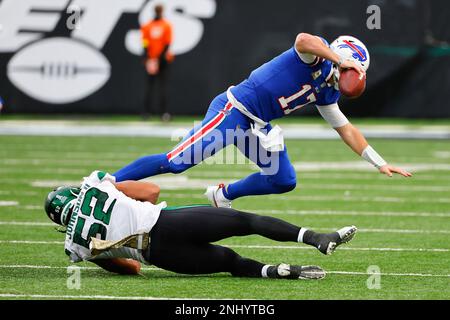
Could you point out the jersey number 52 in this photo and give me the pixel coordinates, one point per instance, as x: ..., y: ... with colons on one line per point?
x: 100, y: 214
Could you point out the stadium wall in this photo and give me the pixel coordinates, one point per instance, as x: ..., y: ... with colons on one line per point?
x: 50, y: 67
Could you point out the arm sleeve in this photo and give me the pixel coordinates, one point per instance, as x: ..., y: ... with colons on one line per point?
x: 333, y: 115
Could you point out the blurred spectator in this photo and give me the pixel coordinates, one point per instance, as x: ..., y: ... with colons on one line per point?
x: 156, y: 39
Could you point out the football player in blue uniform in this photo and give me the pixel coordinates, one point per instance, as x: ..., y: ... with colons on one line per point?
x: 307, y: 73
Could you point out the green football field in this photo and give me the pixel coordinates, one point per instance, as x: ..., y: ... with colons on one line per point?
x: 401, y: 251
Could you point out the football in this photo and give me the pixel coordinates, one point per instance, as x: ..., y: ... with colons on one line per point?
x: 351, y: 84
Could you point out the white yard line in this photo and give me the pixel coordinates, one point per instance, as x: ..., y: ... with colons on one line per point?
x: 410, y: 231
x: 105, y: 297
x: 185, y: 182
x: 343, y: 198
x: 352, y: 213
x: 377, y: 187
x: 369, y: 230
x: 315, y: 175
x: 56, y: 128
x: 317, y: 212
x: 342, y: 248
x: 156, y: 269
x: 8, y: 203
x: 390, y: 274
x: 32, y: 207
x: 28, y: 223
x: 30, y: 242
x: 365, y: 166
x: 257, y: 246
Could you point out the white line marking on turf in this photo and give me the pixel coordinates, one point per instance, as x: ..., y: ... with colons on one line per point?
x: 378, y: 187
x: 369, y: 230
x: 28, y: 223
x: 8, y: 203
x: 315, y: 175
x: 259, y: 246
x: 30, y: 242
x: 326, y: 198
x: 389, y: 274
x: 342, y: 248
x: 378, y: 230
x: 361, y: 165
x: 156, y: 269
x: 353, y: 213
x: 30, y: 207
x: 184, y: 182
x: 48, y: 296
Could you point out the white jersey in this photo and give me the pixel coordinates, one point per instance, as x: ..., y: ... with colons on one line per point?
x: 103, y: 212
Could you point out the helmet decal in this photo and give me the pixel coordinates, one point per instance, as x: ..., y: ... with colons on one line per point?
x: 348, y: 47
x: 358, y: 51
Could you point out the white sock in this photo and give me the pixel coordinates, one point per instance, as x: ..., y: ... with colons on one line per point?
x: 300, y: 234
x: 264, y: 270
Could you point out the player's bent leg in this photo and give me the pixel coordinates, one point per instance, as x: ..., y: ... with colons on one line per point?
x: 189, y: 258
x: 260, y: 183
x: 206, y: 139
x: 144, y: 167
x: 209, y: 224
x: 201, y: 142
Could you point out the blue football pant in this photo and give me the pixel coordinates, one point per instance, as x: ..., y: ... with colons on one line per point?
x: 222, y: 126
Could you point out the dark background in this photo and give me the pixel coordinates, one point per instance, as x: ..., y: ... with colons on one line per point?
x: 409, y: 74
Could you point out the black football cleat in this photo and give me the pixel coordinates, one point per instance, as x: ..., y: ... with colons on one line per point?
x: 330, y: 241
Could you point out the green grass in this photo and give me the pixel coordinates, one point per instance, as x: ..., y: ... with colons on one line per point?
x: 24, y: 160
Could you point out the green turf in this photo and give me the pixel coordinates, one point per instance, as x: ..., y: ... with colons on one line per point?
x: 415, y: 210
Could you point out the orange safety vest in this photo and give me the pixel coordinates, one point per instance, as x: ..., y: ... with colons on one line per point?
x: 156, y: 35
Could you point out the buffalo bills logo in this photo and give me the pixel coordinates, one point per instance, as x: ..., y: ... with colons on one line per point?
x: 358, y: 52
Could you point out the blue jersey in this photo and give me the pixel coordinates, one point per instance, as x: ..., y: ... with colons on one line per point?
x: 285, y: 84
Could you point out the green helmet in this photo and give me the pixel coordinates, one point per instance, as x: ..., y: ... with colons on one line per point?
x: 59, y: 203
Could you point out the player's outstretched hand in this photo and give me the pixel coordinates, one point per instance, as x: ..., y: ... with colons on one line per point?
x: 390, y: 170
x: 349, y: 64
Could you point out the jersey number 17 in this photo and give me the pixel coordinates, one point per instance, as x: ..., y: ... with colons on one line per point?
x: 297, y: 100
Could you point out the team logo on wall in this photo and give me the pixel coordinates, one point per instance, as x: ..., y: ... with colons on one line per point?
x: 62, y: 70
x: 59, y: 70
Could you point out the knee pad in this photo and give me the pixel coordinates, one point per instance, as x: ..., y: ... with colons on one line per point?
x: 285, y: 180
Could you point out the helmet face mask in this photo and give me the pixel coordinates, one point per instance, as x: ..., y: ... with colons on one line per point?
x: 59, y: 204
x: 350, y: 48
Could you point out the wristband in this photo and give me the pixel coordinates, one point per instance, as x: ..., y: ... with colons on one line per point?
x: 371, y: 156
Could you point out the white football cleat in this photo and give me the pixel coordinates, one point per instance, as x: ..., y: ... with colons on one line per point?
x: 215, y: 195
x: 287, y: 271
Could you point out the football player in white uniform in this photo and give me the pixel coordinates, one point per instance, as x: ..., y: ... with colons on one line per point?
x: 119, y: 225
